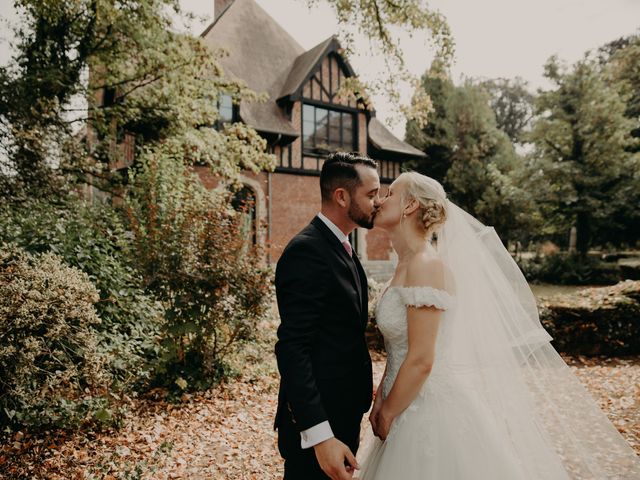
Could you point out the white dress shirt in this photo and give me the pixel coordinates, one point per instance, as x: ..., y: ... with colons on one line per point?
x: 332, y: 226
x: 322, y: 431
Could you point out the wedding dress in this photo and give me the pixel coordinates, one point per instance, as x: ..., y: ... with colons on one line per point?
x: 499, y: 403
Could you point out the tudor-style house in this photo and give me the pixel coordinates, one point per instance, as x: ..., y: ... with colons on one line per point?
x: 303, y: 121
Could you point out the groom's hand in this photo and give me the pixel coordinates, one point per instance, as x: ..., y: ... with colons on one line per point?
x: 331, y: 455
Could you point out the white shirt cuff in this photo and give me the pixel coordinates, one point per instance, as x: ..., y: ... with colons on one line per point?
x: 316, y: 434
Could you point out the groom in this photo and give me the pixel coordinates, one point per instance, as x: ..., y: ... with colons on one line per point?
x: 324, y: 364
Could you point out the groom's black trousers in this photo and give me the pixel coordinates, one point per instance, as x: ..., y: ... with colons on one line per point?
x: 302, y: 464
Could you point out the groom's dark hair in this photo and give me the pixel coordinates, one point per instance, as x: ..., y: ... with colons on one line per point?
x: 339, y: 171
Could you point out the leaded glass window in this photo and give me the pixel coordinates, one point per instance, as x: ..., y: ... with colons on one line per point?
x: 326, y: 130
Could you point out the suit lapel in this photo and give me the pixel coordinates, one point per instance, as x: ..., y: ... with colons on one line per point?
x: 356, y: 275
x: 364, y: 289
x: 344, y: 256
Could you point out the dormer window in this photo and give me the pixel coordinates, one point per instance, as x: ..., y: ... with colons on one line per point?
x: 326, y: 130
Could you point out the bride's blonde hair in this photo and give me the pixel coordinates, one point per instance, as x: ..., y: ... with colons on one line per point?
x: 431, y: 199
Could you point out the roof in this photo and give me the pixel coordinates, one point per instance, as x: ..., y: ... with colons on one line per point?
x: 269, y: 60
x: 261, y: 53
x: 307, y: 63
x: 382, y: 139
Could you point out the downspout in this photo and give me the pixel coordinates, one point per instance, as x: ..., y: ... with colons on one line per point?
x: 269, y: 191
x: 269, y: 217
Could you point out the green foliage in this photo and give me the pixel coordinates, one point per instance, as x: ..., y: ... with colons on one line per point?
x: 582, y: 139
x: 512, y: 104
x: 508, y: 203
x: 436, y: 138
x: 381, y: 21
x: 475, y: 161
x: 51, y: 368
x: 139, y: 77
x: 91, y: 238
x: 570, y: 269
x: 191, y: 251
x: 621, y: 59
x: 623, y: 73
x: 476, y: 145
x: 375, y: 340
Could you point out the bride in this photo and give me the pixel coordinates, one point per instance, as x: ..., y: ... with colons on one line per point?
x: 472, y: 389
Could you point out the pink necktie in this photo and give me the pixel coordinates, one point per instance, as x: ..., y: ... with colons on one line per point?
x: 347, y: 247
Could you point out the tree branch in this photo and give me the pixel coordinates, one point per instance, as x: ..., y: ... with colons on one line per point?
x: 554, y: 147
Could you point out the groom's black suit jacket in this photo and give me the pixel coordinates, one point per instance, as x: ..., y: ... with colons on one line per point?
x: 322, y: 354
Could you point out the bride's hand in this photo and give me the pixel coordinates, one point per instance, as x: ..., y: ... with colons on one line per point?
x: 384, y: 421
x: 375, y: 410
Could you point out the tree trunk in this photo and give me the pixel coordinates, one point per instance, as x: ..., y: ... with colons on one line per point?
x: 572, y: 239
x: 583, y: 227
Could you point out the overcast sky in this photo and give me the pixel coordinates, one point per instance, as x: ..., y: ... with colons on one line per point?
x: 494, y: 38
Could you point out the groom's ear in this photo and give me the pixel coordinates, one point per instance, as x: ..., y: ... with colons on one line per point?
x: 341, y: 196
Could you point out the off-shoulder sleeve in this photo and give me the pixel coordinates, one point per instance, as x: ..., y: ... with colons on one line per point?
x: 426, y: 297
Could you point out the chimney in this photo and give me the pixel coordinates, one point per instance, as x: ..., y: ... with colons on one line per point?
x: 219, y: 7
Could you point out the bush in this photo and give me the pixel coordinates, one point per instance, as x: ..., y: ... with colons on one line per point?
x: 374, y: 337
x: 50, y: 363
x: 194, y: 256
x: 92, y: 238
x: 570, y: 269
x: 595, y: 321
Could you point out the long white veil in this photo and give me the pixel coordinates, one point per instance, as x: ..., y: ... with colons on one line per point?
x: 495, y: 332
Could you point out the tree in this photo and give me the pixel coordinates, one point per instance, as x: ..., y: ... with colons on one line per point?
x: 139, y: 76
x: 475, y: 161
x: 485, y: 168
x: 581, y: 136
x: 512, y: 104
x: 622, y: 71
x: 435, y: 138
x: 381, y: 21
x: 622, y: 67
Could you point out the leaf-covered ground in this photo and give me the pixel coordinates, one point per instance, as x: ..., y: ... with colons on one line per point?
x: 227, y: 433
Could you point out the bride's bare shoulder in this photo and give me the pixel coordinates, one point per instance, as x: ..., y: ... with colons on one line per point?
x: 425, y: 270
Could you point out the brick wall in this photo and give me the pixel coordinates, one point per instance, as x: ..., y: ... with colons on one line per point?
x: 378, y: 245
x: 295, y: 200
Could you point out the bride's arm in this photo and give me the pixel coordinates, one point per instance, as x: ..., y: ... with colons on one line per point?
x: 422, y: 330
x: 378, y: 394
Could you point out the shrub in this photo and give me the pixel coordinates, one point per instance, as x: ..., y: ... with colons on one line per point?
x: 374, y: 337
x: 92, y: 238
x: 49, y: 358
x: 595, y: 321
x: 190, y: 247
x: 570, y: 269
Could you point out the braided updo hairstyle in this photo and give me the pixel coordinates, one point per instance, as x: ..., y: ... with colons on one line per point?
x: 431, y: 197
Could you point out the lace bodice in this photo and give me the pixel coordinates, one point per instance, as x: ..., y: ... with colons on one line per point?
x: 391, y: 317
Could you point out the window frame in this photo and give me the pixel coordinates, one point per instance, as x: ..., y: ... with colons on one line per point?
x: 329, y: 107
x: 220, y: 122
